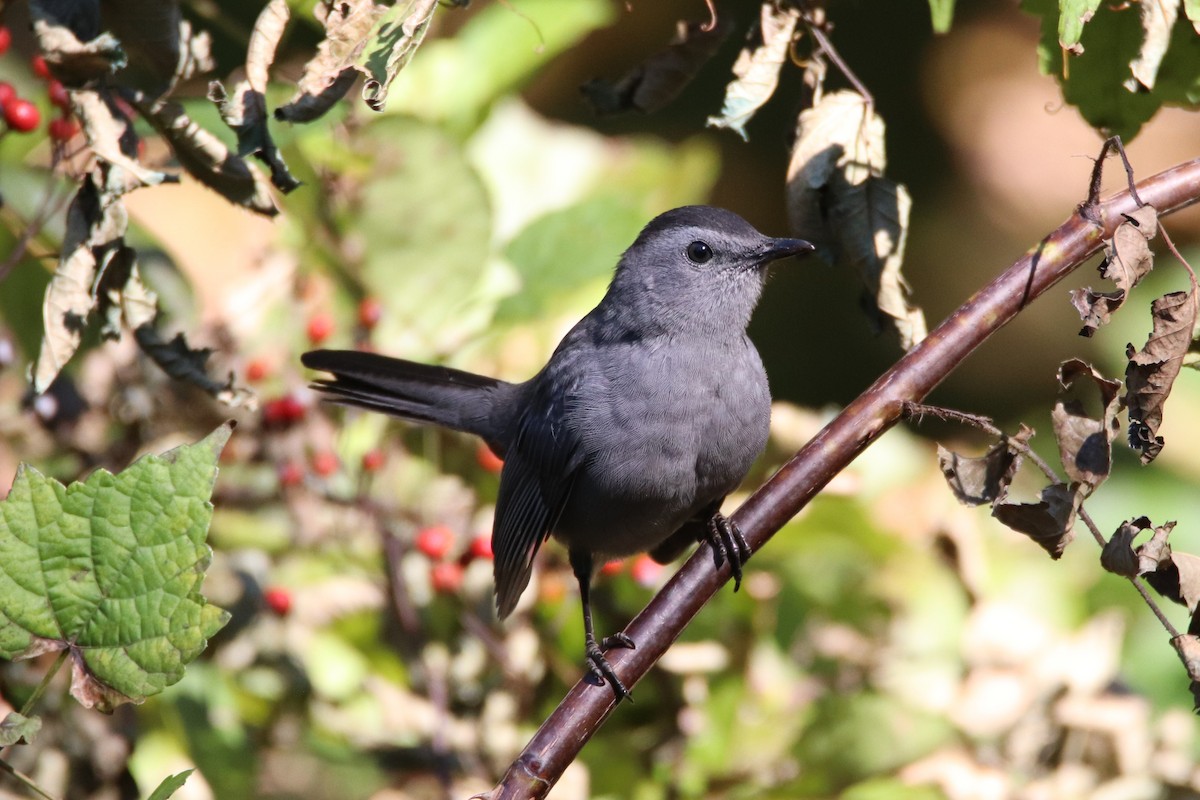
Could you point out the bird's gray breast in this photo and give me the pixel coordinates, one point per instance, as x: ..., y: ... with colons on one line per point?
x: 666, y: 428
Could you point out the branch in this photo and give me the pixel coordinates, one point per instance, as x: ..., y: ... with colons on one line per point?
x: 584, y: 709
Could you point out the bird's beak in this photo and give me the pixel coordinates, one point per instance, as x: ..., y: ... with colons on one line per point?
x: 775, y: 249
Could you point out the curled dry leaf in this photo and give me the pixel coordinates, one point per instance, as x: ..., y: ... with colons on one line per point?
x: 1117, y: 556
x: 839, y: 199
x: 1188, y: 648
x: 1049, y: 522
x: 756, y: 71
x: 1156, y: 553
x: 331, y: 72
x: 394, y: 38
x: 659, y: 79
x: 1157, y: 21
x: 184, y: 363
x: 1085, y: 440
x: 1127, y: 259
x: 72, y: 44
x: 986, y: 479
x: 1151, y: 371
x: 208, y: 160
x: 1177, y: 579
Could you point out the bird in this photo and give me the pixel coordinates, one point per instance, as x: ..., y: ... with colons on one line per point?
x: 650, y: 411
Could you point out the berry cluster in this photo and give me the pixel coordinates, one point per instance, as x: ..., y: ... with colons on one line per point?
x: 436, y: 543
x: 22, y: 115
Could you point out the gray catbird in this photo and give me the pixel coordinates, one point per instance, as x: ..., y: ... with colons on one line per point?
x: 651, y: 410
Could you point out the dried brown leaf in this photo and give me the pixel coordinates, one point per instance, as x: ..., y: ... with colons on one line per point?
x: 1127, y: 259
x: 1158, y: 18
x: 1156, y: 553
x: 1151, y: 371
x: 1049, y: 522
x: 839, y: 199
x: 391, y: 44
x: 1085, y: 439
x: 756, y: 71
x: 75, y: 50
x: 659, y: 79
x: 208, y: 160
x: 985, y: 479
x: 331, y: 72
x: 1117, y: 556
x: 1178, y: 579
x: 184, y: 363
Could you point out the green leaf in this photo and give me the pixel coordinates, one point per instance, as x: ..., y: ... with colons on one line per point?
x: 17, y: 728
x: 1191, y: 8
x: 942, y: 12
x: 110, y: 570
x: 170, y: 785
x: 391, y: 44
x: 1073, y: 16
x: 1094, y: 80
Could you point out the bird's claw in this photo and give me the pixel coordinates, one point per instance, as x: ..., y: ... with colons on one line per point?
x: 601, y: 670
x: 728, y: 544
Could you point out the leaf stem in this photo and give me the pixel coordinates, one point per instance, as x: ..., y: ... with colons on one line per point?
x: 25, y: 779
x: 27, y: 709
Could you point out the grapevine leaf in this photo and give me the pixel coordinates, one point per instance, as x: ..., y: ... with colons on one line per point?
x: 1085, y: 440
x: 1049, y: 522
x: 1151, y: 371
x: 985, y: 479
x: 17, y: 728
x: 110, y: 569
x: 394, y: 38
x: 756, y: 71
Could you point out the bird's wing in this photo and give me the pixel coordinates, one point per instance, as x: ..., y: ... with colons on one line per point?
x: 539, y: 470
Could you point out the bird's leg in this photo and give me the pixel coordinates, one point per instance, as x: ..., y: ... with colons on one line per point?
x: 598, y: 665
x: 727, y: 543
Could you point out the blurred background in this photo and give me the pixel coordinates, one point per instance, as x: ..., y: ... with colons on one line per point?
x: 896, y: 644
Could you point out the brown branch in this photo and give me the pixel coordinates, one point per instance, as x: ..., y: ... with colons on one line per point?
x: 584, y: 709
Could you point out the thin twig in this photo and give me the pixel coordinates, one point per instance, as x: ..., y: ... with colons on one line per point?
x: 25, y: 779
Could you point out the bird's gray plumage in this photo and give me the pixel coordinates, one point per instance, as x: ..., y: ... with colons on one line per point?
x: 651, y: 410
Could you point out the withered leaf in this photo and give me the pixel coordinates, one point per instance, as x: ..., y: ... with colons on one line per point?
x: 1178, y: 579
x: 1156, y: 553
x: 756, y: 71
x: 1095, y: 308
x: 394, y: 38
x: 331, y: 72
x: 985, y: 479
x: 1157, y: 21
x: 1188, y: 648
x: 659, y: 79
x: 1127, y: 259
x: 839, y: 200
x: 1049, y: 522
x: 208, y: 160
x: 74, y: 49
x: 1085, y: 440
x: 182, y: 362
x: 1117, y: 556
x: 1151, y: 371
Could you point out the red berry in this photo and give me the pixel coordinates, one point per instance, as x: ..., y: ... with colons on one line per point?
x: 63, y: 129
x: 22, y: 116
x: 291, y: 474
x: 325, y: 463
x: 278, y: 600
x: 320, y: 326
x: 257, y: 369
x: 58, y: 95
x: 5, y: 39
x: 446, y: 577
x: 481, y: 547
x: 369, y: 312
x: 435, y: 541
x: 487, y: 459
x: 293, y: 408
x: 40, y: 67
x: 372, y: 460
x: 646, y: 570
x: 613, y: 567
x: 7, y: 94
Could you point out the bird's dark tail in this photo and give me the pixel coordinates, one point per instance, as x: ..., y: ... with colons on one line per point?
x: 443, y: 396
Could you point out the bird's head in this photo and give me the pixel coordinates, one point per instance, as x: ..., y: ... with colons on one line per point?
x: 695, y: 266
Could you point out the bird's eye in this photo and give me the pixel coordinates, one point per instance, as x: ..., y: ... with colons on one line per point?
x: 699, y: 252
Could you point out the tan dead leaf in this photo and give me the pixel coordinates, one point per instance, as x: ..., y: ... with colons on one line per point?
x: 1155, y: 553
x: 1117, y: 556
x: 72, y: 44
x: 1188, y: 648
x: 1158, y: 18
x: 756, y: 71
x: 1151, y: 371
x: 1049, y: 522
x: 1085, y: 439
x: 1178, y: 579
x: 331, y: 72
x: 985, y: 479
x: 1127, y: 259
x: 659, y: 79
x: 839, y: 200
x: 208, y: 160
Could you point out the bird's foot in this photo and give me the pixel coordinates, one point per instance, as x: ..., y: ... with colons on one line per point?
x: 728, y: 544
x: 599, y: 667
